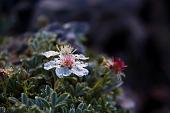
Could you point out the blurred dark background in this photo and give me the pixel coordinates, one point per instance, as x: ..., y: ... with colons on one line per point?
x: 138, y: 31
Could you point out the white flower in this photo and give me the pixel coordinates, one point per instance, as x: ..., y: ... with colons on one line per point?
x: 67, y: 63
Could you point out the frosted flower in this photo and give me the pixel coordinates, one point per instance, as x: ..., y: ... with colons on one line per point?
x: 116, y: 65
x: 5, y: 72
x: 68, y: 63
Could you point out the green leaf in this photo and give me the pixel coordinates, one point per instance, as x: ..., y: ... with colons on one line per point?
x: 24, y: 99
x: 81, y: 106
x: 2, y: 109
x: 39, y: 103
x: 31, y: 102
x: 64, y: 109
x: 53, y: 98
x: 59, y: 105
x: 62, y: 98
x: 48, y: 90
x: 78, y: 110
x: 72, y: 110
x: 12, y: 100
x: 43, y: 101
x: 35, y: 109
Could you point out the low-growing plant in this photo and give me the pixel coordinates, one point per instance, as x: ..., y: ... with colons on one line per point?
x: 57, y: 74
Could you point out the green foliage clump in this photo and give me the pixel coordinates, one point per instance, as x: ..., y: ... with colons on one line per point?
x: 29, y: 88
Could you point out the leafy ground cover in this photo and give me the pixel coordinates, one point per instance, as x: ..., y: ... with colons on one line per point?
x: 56, y: 73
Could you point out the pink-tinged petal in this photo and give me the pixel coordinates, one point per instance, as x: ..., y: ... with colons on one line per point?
x: 118, y: 65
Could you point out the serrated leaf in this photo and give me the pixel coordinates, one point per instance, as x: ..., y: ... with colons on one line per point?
x: 72, y: 110
x: 59, y: 105
x: 13, y: 100
x: 38, y: 102
x: 78, y: 110
x: 31, y: 102
x: 54, y: 98
x: 24, y: 99
x: 35, y: 109
x: 43, y: 101
x: 81, y: 106
x: 64, y: 109
x: 48, y: 90
x: 2, y: 109
x: 62, y: 98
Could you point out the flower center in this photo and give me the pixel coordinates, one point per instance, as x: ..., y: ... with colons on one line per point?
x: 68, y: 61
x: 119, y: 65
x: 66, y: 49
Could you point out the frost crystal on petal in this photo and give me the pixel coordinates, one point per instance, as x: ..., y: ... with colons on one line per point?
x: 49, y: 53
x: 50, y: 65
x: 79, y: 71
x: 81, y: 57
x: 81, y: 64
x: 61, y: 71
